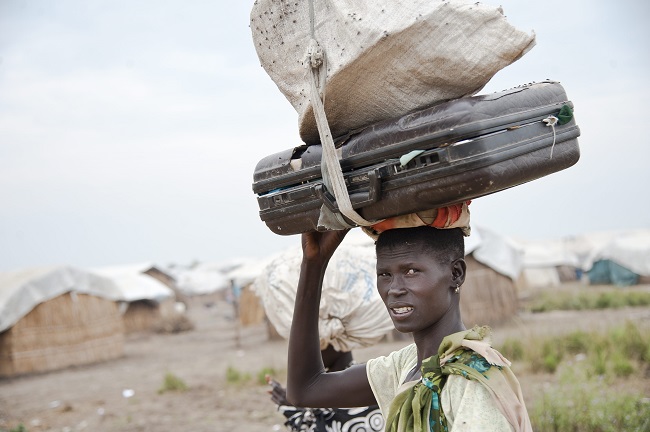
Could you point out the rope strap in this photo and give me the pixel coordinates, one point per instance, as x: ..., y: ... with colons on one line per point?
x: 330, y: 165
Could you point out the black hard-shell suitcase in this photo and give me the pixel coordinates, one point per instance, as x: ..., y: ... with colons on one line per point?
x: 473, y: 146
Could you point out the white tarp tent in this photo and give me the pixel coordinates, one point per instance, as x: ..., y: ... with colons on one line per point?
x: 23, y: 290
x: 549, y: 253
x: 246, y: 273
x: 630, y: 249
x: 545, y: 263
x: 133, y: 285
x: 201, y: 279
x: 495, y: 251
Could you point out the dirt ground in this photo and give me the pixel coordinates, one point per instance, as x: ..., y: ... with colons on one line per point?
x: 92, y: 398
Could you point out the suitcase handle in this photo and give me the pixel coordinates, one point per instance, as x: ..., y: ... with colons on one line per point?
x: 358, y: 199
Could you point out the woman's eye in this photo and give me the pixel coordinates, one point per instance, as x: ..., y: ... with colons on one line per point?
x: 411, y: 271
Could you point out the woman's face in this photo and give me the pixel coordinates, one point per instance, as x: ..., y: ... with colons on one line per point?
x: 415, y: 285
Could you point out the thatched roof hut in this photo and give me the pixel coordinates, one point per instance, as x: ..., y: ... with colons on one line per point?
x: 55, y: 317
x: 145, y: 302
x: 489, y: 294
x: 488, y: 297
x: 164, y: 276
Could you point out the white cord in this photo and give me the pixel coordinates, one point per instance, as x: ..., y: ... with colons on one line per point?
x: 551, y: 121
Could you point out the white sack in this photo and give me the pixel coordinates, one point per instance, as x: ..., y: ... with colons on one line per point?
x: 351, y: 314
x: 384, y: 59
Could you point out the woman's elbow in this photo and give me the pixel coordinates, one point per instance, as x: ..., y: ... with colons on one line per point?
x: 296, y: 398
x: 303, y: 396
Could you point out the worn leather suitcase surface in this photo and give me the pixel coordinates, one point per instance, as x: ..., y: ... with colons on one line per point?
x: 470, y: 147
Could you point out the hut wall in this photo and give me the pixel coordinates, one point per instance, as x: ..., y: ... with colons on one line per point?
x: 567, y: 273
x: 533, y: 279
x: 69, y: 330
x: 151, y: 316
x: 141, y: 315
x: 251, y: 310
x: 487, y: 297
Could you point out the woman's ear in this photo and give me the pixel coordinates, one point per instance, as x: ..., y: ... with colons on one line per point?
x: 458, y: 270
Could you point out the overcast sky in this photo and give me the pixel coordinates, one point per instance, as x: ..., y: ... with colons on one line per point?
x: 129, y: 130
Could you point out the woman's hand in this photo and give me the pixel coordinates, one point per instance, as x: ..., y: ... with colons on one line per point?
x: 277, y: 392
x: 320, y: 246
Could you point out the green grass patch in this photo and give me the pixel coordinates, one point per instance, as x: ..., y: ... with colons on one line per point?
x: 261, y: 375
x: 172, y: 383
x: 581, y: 405
x: 235, y: 376
x: 19, y: 428
x: 586, y: 300
x: 513, y: 349
x: 620, y: 352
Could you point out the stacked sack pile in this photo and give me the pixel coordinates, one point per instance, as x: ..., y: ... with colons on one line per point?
x: 344, y: 65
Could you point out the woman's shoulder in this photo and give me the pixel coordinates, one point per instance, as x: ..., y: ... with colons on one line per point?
x: 407, y: 352
x: 395, y: 361
x: 404, y: 356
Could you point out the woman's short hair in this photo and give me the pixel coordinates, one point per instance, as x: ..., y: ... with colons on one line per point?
x: 444, y: 243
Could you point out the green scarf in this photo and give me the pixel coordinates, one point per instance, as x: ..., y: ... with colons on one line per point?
x: 418, y: 408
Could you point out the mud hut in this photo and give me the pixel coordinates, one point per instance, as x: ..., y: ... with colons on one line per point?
x: 165, y: 277
x: 489, y: 294
x: 249, y: 308
x: 145, y: 302
x: 56, y: 317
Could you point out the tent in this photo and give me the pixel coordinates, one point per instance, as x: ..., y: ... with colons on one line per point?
x: 200, y: 280
x: 489, y: 294
x: 623, y: 260
x: 248, y: 305
x: 144, y: 300
x: 55, y: 317
x: 163, y: 275
x: 551, y: 262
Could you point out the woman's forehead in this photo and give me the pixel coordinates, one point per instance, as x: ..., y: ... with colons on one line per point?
x: 403, y: 252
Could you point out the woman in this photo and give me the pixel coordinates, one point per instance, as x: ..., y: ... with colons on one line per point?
x: 449, y: 379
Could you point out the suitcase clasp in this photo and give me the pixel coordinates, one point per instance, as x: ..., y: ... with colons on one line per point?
x: 358, y: 199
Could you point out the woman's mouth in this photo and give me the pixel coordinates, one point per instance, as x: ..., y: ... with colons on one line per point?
x: 401, y: 312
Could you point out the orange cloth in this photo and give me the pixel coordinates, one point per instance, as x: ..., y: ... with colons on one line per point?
x: 451, y: 216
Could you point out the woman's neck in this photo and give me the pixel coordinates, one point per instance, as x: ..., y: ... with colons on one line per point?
x: 428, y: 340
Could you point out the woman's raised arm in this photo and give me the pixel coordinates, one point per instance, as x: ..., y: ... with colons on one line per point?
x: 308, y: 385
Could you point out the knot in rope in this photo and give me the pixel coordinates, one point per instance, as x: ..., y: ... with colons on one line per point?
x: 314, y: 57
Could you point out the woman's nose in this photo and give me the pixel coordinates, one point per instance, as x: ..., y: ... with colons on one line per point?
x: 396, y: 287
